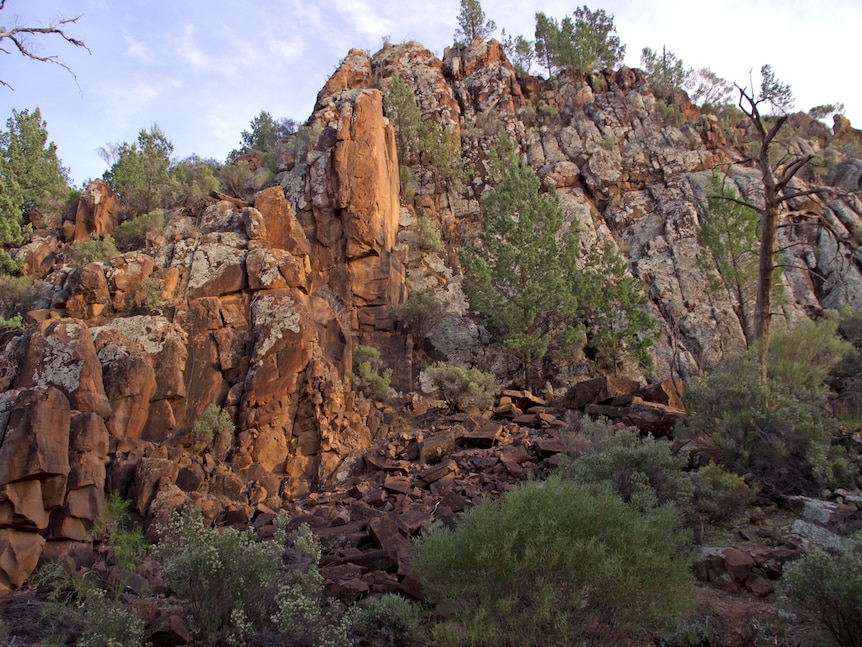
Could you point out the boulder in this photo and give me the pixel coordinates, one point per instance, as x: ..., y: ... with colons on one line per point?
x: 97, y: 211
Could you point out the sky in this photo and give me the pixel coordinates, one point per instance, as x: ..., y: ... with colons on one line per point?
x: 202, y: 69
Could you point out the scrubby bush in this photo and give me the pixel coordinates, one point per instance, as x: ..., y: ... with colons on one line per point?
x: 420, y: 313
x: 148, y: 294
x: 194, y: 178
x: 132, y: 234
x: 214, y: 420
x: 18, y: 294
x: 94, y: 250
x: 718, y: 493
x: 556, y: 563
x: 778, y: 428
x: 220, y: 571
x: 392, y: 621
x: 643, y: 471
x: 234, y: 177
x: 428, y: 235
x: 92, y: 602
x: 830, y: 591
x: 369, y: 376
x: 668, y: 114
x: 463, y: 389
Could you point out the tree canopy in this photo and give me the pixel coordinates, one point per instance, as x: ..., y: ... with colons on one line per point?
x: 31, y: 177
x: 581, y: 44
x: 472, y: 23
x: 139, y: 173
x: 519, y: 276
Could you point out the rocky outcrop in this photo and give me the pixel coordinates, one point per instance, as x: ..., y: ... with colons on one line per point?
x: 96, y: 213
x: 255, y: 307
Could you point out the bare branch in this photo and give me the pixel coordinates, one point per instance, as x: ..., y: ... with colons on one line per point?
x: 20, y: 38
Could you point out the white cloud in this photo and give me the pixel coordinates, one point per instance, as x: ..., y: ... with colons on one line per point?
x: 138, y: 50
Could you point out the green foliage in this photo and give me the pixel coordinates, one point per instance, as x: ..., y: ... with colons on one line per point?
x: 472, y: 23
x: 428, y: 235
x: 643, y: 471
x: 18, y: 294
x: 520, y: 275
x: 218, y: 570
x: 434, y: 145
x: 92, y: 602
x: 112, y: 529
x: 367, y: 375
x: 392, y: 621
x: 558, y: 562
x: 12, y: 323
x: 823, y: 112
x: 139, y: 173
x: 463, y: 389
x: 580, y: 46
x: 728, y: 233
x: 31, y: 177
x: 234, y: 177
x: 214, y: 420
x: 520, y: 51
x: 613, y: 307
x: 148, y: 294
x: 265, y: 133
x: 132, y: 234
x: 94, y: 250
x: 193, y: 179
x: 776, y: 429
x: 420, y: 313
x: 667, y: 74
x: 830, y: 591
x: 669, y: 114
x: 772, y: 91
x: 718, y: 493
x: 711, y: 92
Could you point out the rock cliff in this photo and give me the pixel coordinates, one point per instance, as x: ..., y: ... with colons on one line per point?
x: 260, y: 303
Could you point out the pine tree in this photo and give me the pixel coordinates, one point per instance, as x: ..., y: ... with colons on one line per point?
x: 31, y: 177
x: 521, y: 277
x: 472, y: 23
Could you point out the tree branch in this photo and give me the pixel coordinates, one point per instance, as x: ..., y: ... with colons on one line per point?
x: 20, y: 38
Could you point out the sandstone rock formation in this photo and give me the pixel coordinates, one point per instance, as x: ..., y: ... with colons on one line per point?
x: 256, y: 307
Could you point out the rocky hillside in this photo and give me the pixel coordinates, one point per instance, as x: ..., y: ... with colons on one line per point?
x: 261, y: 301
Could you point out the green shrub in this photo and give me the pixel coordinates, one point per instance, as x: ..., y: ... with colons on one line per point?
x: 220, y: 571
x: 12, y: 323
x: 194, y: 179
x: 830, y: 591
x: 718, y: 493
x: 669, y: 114
x: 132, y: 234
x: 214, y: 420
x: 778, y: 429
x: 420, y: 313
x: 803, y: 357
x: 235, y: 177
x: 559, y: 562
x: 94, y: 250
x: 18, y: 294
x: 607, y: 144
x: 148, y: 294
x: 428, y: 235
x: 367, y: 375
x: 463, y: 389
x: 113, y: 529
x: 391, y: 621
x: 641, y: 470
x: 92, y: 601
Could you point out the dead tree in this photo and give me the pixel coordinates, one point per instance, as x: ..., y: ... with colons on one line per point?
x: 21, y: 38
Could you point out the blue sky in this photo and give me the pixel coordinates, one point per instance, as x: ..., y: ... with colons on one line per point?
x: 202, y: 69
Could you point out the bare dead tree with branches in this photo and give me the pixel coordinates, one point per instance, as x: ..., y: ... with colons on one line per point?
x: 21, y: 38
x: 777, y: 176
